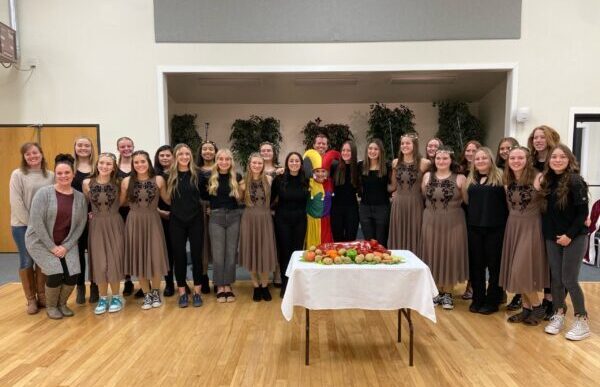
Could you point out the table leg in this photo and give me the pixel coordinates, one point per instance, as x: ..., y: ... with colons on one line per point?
x: 406, y: 313
x: 307, y: 349
x: 399, y: 325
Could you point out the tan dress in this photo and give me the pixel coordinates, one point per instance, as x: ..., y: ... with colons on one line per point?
x: 524, y: 268
x: 406, y: 215
x: 106, y: 237
x: 257, y: 251
x: 145, y: 248
x: 444, y: 232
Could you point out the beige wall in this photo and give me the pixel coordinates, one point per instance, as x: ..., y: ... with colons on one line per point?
x: 492, y: 114
x: 98, y: 63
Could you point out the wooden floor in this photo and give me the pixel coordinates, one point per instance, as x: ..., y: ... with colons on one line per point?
x: 250, y: 344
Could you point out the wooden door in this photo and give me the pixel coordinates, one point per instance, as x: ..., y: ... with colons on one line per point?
x: 54, y: 139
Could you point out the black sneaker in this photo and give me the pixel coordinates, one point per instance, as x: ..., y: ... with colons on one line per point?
x: 80, y: 299
x: 488, y: 309
x: 257, y: 295
x: 204, y: 285
x: 128, y: 288
x: 169, y: 289
x: 266, y: 295
x: 548, y: 309
x: 139, y: 294
x: 475, y: 307
x: 516, y: 303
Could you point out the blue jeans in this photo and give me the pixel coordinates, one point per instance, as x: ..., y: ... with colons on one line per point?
x: 18, y: 233
x: 224, y: 231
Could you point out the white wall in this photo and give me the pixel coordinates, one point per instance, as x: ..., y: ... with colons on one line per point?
x: 294, y: 117
x: 492, y: 114
x: 98, y: 63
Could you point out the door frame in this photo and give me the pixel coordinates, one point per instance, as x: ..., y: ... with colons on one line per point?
x: 40, y: 126
x: 512, y: 69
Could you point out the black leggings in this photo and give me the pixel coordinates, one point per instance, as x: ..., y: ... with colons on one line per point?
x: 290, y: 229
x: 180, y: 232
x: 82, y: 245
x: 485, y: 251
x: 169, y: 276
x: 64, y: 278
x: 344, y: 222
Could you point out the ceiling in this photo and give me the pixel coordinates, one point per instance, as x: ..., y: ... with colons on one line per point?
x: 331, y: 87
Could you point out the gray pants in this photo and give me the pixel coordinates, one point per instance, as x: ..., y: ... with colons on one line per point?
x: 565, y: 263
x: 224, y: 231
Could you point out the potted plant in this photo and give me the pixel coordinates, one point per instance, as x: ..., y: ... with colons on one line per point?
x: 337, y: 133
x: 247, y: 135
x: 457, y: 125
x: 389, y: 125
x: 183, y: 130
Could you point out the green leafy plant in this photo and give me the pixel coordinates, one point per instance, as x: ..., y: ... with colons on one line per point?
x: 247, y: 135
x: 183, y: 130
x: 389, y: 125
x: 457, y: 125
x: 337, y: 133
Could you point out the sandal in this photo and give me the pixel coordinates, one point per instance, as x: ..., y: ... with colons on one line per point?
x: 222, y: 297
x: 230, y: 297
x: 519, y: 317
x: 536, y: 315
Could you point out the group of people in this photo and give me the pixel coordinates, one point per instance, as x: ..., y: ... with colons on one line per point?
x: 521, y: 217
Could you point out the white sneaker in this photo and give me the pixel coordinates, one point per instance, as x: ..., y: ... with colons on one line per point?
x: 447, y: 301
x: 147, y: 301
x: 556, y: 324
x: 116, y: 304
x: 156, y: 301
x: 437, y: 300
x: 579, y: 330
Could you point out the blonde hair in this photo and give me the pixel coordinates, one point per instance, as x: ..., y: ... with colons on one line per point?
x: 213, y: 181
x: 92, y: 153
x: 173, y: 179
x: 494, y: 176
x: 263, y: 179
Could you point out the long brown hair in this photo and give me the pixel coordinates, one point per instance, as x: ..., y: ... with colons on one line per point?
x: 24, y: 166
x: 564, y: 179
x: 339, y: 176
x: 366, y: 167
x: 414, y: 138
x: 464, y: 163
x: 113, y: 174
x: 500, y: 162
x: 133, y: 177
x: 552, y: 139
x: 263, y: 179
x: 173, y: 179
x: 529, y: 172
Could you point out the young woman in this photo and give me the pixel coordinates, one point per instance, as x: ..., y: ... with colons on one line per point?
x: 503, y: 148
x: 541, y: 140
x: 145, y: 247
x: 444, y: 230
x: 344, y: 203
x: 523, y: 267
x: 186, y: 186
x: 269, y: 155
x: 106, y: 233
x: 125, y: 148
x: 486, y: 220
x: 84, y: 167
x: 163, y: 159
x: 374, y: 209
x: 563, y: 224
x: 206, y: 162
x: 432, y: 146
x: 57, y: 218
x: 24, y: 183
x: 225, y: 193
x: 257, y: 240
x: 466, y: 160
x: 289, y: 194
x: 406, y: 215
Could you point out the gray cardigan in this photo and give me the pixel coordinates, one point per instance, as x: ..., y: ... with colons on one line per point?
x: 38, y: 238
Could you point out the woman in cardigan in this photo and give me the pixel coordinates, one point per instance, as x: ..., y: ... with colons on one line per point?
x: 57, y: 219
x: 24, y: 183
x: 563, y: 224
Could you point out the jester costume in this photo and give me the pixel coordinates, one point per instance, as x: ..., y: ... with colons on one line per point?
x: 318, y: 206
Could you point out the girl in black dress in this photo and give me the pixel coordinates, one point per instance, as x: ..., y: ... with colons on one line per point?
x: 344, y: 203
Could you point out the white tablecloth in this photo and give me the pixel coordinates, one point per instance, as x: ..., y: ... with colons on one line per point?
x: 350, y: 286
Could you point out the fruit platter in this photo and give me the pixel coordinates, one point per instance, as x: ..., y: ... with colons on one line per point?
x: 356, y: 252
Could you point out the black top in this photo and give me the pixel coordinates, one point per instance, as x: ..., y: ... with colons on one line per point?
x: 539, y: 165
x: 124, y: 210
x: 288, y: 196
x: 78, y: 179
x: 161, y: 204
x: 487, y: 205
x: 222, y: 198
x: 571, y: 219
x: 374, y: 189
x: 344, y: 194
x: 185, y: 201
x: 121, y: 175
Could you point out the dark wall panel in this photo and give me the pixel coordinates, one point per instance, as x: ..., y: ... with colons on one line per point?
x: 271, y: 21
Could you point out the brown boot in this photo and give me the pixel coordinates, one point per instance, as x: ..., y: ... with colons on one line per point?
x: 40, y: 286
x: 52, y: 310
x: 65, y: 292
x: 28, y: 288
